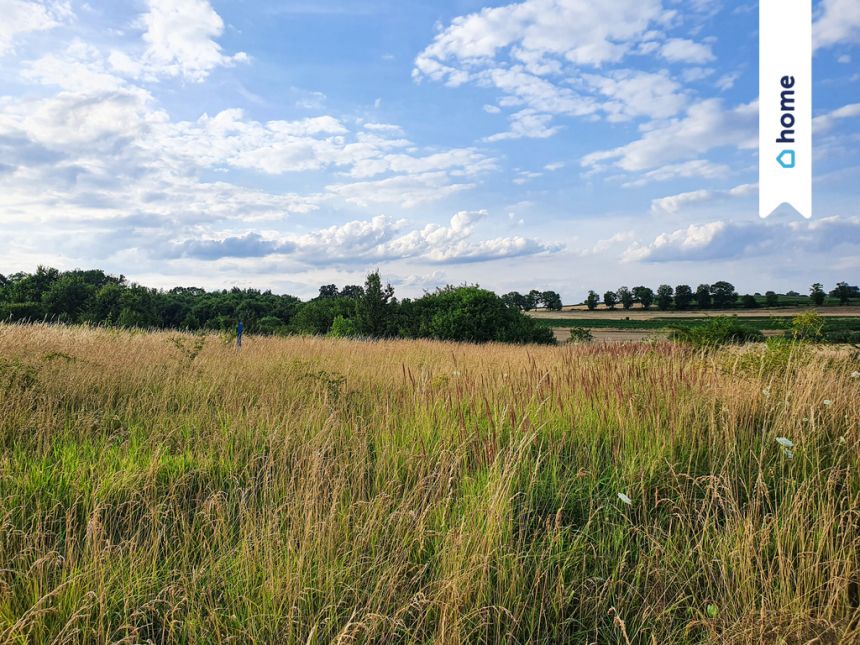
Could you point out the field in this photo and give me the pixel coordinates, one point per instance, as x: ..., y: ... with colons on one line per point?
x: 638, y: 325
x: 159, y: 487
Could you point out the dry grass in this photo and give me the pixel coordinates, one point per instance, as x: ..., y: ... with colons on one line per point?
x: 157, y: 488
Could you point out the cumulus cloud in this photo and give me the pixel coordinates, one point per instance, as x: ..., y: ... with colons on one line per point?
x: 683, y: 50
x: 180, y: 37
x: 551, y: 58
x: 837, y: 22
x: 674, y: 204
x: 707, y: 125
x: 21, y: 17
x: 377, y: 239
x: 721, y: 240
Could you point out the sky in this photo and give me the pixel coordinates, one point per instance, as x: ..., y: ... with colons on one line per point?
x: 542, y: 144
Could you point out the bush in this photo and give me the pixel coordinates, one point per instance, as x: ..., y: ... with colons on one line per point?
x: 343, y: 328
x: 580, y: 335
x: 843, y: 336
x: 469, y: 314
x: 807, y: 326
x: 717, y: 331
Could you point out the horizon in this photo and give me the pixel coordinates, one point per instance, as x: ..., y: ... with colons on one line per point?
x: 255, y: 145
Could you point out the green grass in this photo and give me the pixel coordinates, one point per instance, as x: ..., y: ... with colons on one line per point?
x: 313, y: 490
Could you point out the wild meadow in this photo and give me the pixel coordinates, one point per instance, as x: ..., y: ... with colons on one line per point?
x: 167, y: 488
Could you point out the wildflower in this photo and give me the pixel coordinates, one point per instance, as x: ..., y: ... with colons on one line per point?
x: 625, y: 499
x: 766, y: 391
x: 855, y: 374
x: 788, y: 453
x: 827, y: 402
x: 785, y: 442
x: 456, y: 373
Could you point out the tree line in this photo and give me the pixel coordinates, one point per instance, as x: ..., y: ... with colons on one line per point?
x: 719, y: 295
x: 463, y: 313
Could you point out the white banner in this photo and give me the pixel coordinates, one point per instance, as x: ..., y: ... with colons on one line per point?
x: 785, y: 105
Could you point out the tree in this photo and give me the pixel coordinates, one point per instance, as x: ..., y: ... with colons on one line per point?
x: 683, y: 296
x: 592, y: 300
x: 749, y: 302
x: 723, y: 294
x: 473, y: 315
x: 67, y: 298
x: 352, y: 291
x: 645, y: 296
x: 328, y: 291
x: 625, y: 297
x: 844, y: 292
x: 372, y: 311
x: 703, y: 296
x: 664, y: 297
x: 771, y: 299
x: 610, y: 299
x: 516, y: 300
x: 533, y: 299
x: 816, y: 292
x: 551, y: 300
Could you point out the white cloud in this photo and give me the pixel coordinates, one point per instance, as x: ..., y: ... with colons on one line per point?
x: 632, y: 94
x: 20, y: 17
x: 721, y: 240
x: 180, y: 39
x: 837, y: 22
x: 825, y: 122
x: 674, y: 204
x: 682, y: 50
x: 706, y: 126
x: 380, y: 238
x: 548, y: 58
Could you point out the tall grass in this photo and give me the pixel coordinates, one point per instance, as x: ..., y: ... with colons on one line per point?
x: 163, y: 488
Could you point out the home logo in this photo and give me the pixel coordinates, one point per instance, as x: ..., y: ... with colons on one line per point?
x: 785, y: 106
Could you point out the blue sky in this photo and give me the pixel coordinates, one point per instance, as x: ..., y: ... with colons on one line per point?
x: 558, y: 144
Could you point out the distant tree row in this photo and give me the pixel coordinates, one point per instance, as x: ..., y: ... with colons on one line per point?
x: 720, y: 295
x: 466, y: 313
x: 533, y: 300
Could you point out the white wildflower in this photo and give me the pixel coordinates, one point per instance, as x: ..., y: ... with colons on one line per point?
x: 785, y: 442
x: 625, y: 499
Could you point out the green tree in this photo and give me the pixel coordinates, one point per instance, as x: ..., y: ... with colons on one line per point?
x: 843, y: 291
x: 816, y: 292
x: 342, y: 328
x: 373, y: 310
x: 771, y: 299
x: 610, y: 299
x: 683, y: 296
x: 723, y: 294
x: 516, y: 300
x: 67, y: 298
x: 749, y: 302
x: 551, y: 300
x: 329, y: 291
x: 354, y: 291
x: 592, y: 300
x: 644, y: 295
x: 625, y: 297
x: 703, y: 296
x: 664, y: 297
x: 533, y: 299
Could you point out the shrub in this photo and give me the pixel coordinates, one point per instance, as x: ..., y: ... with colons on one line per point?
x: 343, y: 328
x: 580, y: 335
x: 717, y: 331
x: 807, y: 326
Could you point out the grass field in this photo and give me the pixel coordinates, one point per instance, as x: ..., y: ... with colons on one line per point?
x: 665, y: 322
x: 157, y: 487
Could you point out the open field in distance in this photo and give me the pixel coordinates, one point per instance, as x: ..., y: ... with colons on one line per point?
x: 160, y: 487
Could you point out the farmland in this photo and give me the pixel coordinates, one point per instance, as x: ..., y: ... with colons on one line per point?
x: 165, y: 487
